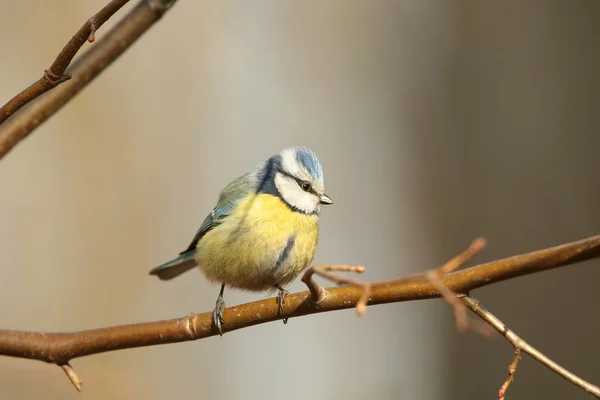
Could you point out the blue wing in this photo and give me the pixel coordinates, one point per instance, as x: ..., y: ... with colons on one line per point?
x: 228, y: 200
x: 213, y: 219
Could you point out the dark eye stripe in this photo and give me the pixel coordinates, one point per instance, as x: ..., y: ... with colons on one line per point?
x: 300, y: 182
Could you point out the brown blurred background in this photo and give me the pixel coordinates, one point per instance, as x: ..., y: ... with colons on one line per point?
x: 435, y: 121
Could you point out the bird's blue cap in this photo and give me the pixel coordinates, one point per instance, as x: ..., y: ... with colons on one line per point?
x: 309, y: 160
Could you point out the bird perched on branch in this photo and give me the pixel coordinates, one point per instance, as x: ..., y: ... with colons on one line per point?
x: 263, y: 231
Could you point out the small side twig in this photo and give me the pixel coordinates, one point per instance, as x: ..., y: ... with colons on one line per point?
x: 72, y: 375
x: 512, y: 369
x: 318, y: 293
x: 93, y: 29
x: 55, y: 75
x: 522, y: 346
x: 463, y: 322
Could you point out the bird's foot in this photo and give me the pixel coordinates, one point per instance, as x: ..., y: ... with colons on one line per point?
x: 281, y: 300
x: 217, y: 316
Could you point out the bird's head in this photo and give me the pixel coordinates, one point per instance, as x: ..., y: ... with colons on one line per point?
x: 295, y: 174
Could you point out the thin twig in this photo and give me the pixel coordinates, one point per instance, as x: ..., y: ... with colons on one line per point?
x: 83, y: 71
x: 463, y: 322
x: 460, y: 310
x: 326, y: 272
x: 72, y: 375
x: 525, y: 347
x: 512, y: 369
x: 317, y: 292
x: 55, y: 75
x: 458, y: 261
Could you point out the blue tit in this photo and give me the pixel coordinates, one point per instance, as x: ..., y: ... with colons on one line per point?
x: 263, y: 232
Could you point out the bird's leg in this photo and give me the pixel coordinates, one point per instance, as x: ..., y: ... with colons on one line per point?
x: 281, y: 299
x: 218, y: 311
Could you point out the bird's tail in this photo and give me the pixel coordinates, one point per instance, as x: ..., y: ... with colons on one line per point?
x: 175, y: 267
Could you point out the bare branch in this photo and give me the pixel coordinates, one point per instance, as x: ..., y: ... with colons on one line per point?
x: 55, y: 75
x: 60, y: 348
x: 81, y: 72
x: 460, y: 302
x: 525, y: 347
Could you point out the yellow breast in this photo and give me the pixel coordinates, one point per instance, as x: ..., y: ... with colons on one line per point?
x: 260, y: 244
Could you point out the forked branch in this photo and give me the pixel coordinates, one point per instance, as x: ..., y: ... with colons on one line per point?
x: 521, y: 345
x: 80, y: 73
x: 55, y: 75
x: 460, y: 302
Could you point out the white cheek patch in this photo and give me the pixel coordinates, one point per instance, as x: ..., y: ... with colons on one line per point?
x: 294, y: 195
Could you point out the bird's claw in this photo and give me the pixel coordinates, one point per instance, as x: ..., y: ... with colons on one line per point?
x: 217, y: 316
x: 281, y: 300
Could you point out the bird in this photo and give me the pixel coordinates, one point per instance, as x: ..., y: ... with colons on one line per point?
x: 263, y: 231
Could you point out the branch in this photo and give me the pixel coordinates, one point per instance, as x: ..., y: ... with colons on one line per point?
x: 55, y: 75
x: 460, y: 303
x: 60, y: 348
x: 521, y: 345
x: 81, y: 73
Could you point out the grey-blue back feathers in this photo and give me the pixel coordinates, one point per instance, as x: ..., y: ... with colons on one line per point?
x: 228, y: 199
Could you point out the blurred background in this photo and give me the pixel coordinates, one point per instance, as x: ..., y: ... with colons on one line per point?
x: 435, y: 122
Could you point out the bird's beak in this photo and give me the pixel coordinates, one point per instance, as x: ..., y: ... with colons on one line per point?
x: 324, y: 199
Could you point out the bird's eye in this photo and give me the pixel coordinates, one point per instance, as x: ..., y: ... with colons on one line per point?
x: 305, y: 186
